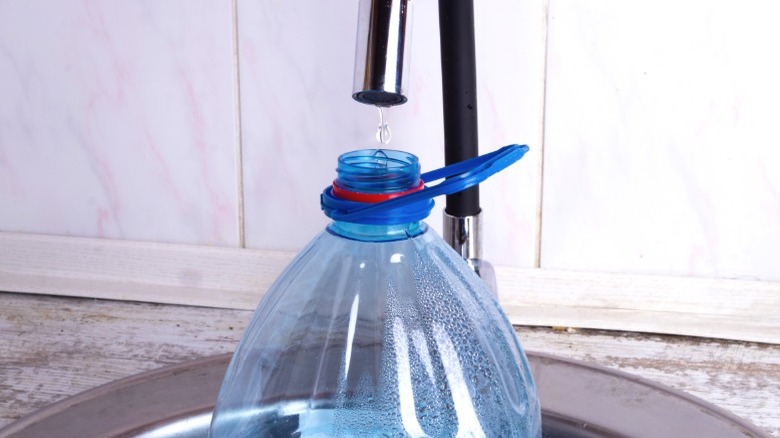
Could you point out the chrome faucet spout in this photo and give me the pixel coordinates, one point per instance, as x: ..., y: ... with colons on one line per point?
x: 382, y: 52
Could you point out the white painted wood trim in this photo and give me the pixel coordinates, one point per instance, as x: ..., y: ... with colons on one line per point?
x: 237, y: 278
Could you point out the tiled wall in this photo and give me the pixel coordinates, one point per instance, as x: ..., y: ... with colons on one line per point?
x: 118, y: 120
x: 662, y: 147
x: 218, y: 123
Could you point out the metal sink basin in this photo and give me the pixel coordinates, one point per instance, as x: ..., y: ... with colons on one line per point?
x: 578, y: 400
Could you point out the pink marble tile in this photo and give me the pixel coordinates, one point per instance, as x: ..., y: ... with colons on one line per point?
x: 117, y: 120
x: 662, y: 147
x: 296, y: 62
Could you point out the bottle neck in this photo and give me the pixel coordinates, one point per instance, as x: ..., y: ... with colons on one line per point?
x: 377, y: 233
x: 372, y: 176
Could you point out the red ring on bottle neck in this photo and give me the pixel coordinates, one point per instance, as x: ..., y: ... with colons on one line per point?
x: 371, y: 198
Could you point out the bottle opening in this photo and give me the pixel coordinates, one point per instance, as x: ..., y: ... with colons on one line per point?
x: 377, y: 177
x: 378, y: 171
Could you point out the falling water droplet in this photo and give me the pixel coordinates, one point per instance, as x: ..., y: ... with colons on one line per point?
x: 383, y: 133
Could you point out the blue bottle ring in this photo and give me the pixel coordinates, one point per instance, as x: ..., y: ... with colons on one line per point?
x: 417, y: 205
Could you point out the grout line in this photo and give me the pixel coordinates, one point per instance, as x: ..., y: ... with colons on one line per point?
x: 540, y: 162
x: 239, y: 139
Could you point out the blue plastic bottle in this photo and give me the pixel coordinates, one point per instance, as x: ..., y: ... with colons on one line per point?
x: 378, y: 328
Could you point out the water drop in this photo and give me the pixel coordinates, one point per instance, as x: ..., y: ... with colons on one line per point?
x: 383, y: 132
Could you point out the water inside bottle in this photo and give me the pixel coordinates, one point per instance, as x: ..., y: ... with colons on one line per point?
x: 319, y: 423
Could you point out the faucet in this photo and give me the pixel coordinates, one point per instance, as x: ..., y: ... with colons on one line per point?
x: 381, y: 77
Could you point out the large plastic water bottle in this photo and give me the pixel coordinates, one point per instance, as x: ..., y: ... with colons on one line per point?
x: 378, y: 328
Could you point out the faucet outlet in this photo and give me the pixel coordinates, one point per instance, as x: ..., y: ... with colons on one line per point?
x: 382, y: 52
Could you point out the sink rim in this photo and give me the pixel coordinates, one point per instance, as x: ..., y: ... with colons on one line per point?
x: 573, y: 391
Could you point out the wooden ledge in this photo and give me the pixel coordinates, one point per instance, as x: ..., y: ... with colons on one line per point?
x: 234, y: 278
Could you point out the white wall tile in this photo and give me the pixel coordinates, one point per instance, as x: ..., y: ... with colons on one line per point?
x: 117, y: 120
x: 662, y: 147
x: 296, y: 63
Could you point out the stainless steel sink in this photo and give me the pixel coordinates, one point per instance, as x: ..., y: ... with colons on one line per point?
x: 578, y: 400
